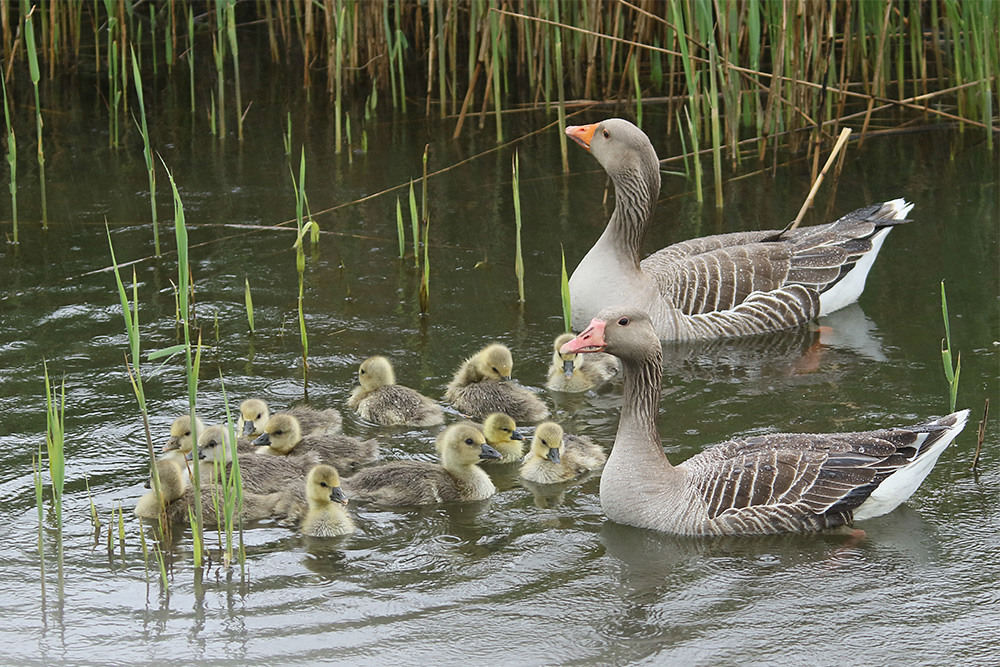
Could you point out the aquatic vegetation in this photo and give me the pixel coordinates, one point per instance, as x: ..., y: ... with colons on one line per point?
x: 952, y: 369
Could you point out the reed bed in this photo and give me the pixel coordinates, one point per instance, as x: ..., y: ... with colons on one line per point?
x: 778, y: 71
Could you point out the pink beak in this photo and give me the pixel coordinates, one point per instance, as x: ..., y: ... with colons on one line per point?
x: 590, y: 340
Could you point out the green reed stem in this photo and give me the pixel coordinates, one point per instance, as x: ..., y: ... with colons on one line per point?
x: 11, y: 159
x: 248, y: 300
x: 400, y: 232
x: 423, y: 294
x: 192, y: 357
x: 951, y: 370
x: 518, y: 259
x: 146, y: 152
x: 415, y: 228
x: 713, y: 103
x: 29, y: 37
x: 190, y: 56
x: 234, y: 49
x: 695, y: 157
x: 55, y: 429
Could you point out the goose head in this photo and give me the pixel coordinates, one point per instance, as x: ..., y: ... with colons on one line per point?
x: 180, y: 434
x: 254, y: 413
x: 323, y: 486
x: 375, y: 372
x: 464, y: 445
x: 499, y: 427
x: 567, y: 361
x: 494, y: 362
x: 621, y: 147
x: 626, y: 333
x: 548, y: 442
x: 214, y: 444
x: 281, y: 433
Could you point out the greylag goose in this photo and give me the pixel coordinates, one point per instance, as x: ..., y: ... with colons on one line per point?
x: 736, y: 284
x: 763, y: 484
x: 575, y: 373
x: 258, y: 474
x: 456, y: 479
x: 178, y: 499
x: 380, y: 400
x: 502, y: 435
x: 482, y: 386
x: 282, y: 436
x: 557, y: 458
x: 326, y: 516
x: 181, y: 441
x: 255, y: 412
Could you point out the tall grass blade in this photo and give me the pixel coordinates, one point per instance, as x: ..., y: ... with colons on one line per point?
x: 248, y: 300
x: 11, y: 160
x: 147, y: 153
x: 951, y: 370
x: 29, y: 38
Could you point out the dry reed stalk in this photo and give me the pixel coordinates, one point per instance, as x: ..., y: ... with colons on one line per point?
x: 841, y: 140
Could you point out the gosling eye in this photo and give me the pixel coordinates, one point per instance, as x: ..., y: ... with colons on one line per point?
x: 277, y: 433
x: 495, y: 370
x: 187, y: 432
x: 607, y: 135
x: 623, y: 321
x: 324, y: 484
x: 259, y: 415
x: 469, y: 441
x: 362, y: 371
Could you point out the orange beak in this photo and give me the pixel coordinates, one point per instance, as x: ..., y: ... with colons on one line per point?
x: 582, y: 134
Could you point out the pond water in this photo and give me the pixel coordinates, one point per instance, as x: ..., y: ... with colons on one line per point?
x: 518, y: 579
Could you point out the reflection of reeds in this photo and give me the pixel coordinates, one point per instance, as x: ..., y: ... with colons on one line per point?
x: 518, y: 259
x: 11, y: 159
x: 55, y: 428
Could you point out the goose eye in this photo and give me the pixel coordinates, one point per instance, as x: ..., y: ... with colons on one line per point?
x: 324, y: 484
x: 469, y: 441
x: 362, y: 371
x: 187, y: 432
x: 607, y: 135
x: 623, y: 321
x: 277, y: 433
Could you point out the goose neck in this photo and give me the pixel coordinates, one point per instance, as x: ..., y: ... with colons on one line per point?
x: 641, y: 395
x: 635, y: 199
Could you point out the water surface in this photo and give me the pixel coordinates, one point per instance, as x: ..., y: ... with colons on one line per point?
x: 518, y: 579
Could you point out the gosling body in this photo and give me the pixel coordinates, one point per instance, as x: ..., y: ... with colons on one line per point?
x: 283, y: 437
x: 456, y: 479
x: 482, y: 386
x: 380, y: 400
x: 255, y: 412
x: 556, y: 457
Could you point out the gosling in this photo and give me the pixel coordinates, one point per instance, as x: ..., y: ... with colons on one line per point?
x: 181, y: 442
x: 282, y: 436
x: 554, y: 458
x: 481, y: 386
x: 257, y: 474
x: 178, y: 499
x: 380, y: 400
x: 502, y: 435
x: 327, y: 516
x: 576, y: 373
x: 456, y: 479
x: 255, y: 412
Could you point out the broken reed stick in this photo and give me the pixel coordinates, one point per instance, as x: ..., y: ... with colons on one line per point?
x: 841, y: 140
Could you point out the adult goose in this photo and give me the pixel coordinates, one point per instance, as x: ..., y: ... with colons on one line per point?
x: 764, y: 484
x: 727, y: 285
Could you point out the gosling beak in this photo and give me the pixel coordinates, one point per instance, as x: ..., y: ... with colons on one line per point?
x: 264, y: 440
x: 568, y: 368
x: 590, y: 339
x: 248, y: 427
x: 356, y: 382
x: 516, y: 435
x: 190, y: 456
x: 505, y: 378
x: 148, y: 484
x: 582, y: 134
x: 173, y: 442
x: 553, y: 455
x: 337, y: 496
x: 489, y: 453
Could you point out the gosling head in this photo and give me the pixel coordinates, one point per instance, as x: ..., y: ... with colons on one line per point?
x: 180, y: 434
x: 281, y: 433
x: 323, y: 486
x: 254, y: 413
x: 499, y: 427
x: 548, y: 442
x: 494, y: 362
x: 375, y: 372
x: 568, y: 361
x: 214, y: 444
x: 464, y: 445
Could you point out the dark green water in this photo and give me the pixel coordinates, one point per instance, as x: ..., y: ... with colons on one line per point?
x: 517, y: 579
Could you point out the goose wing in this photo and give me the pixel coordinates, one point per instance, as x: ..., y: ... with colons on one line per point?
x: 790, y: 482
